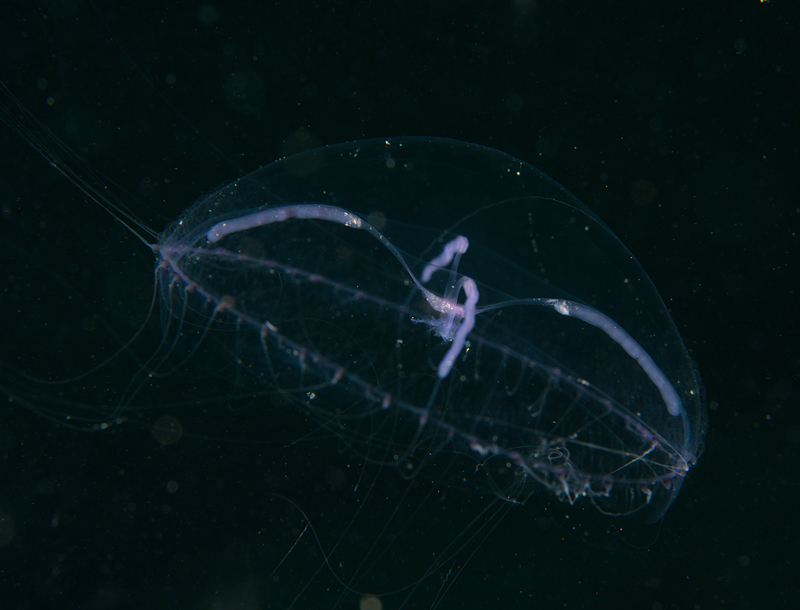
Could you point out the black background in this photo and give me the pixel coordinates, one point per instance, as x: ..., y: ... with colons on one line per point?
x: 676, y: 123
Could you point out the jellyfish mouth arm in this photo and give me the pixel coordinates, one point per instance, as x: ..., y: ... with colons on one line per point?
x: 626, y: 342
x: 457, y: 320
x: 452, y: 250
x: 465, y: 313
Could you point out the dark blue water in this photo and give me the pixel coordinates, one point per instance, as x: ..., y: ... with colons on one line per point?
x: 698, y: 188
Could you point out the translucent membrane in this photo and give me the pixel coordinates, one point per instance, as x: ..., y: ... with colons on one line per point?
x: 427, y: 296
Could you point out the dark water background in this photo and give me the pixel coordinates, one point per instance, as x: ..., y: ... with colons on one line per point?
x: 677, y: 124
